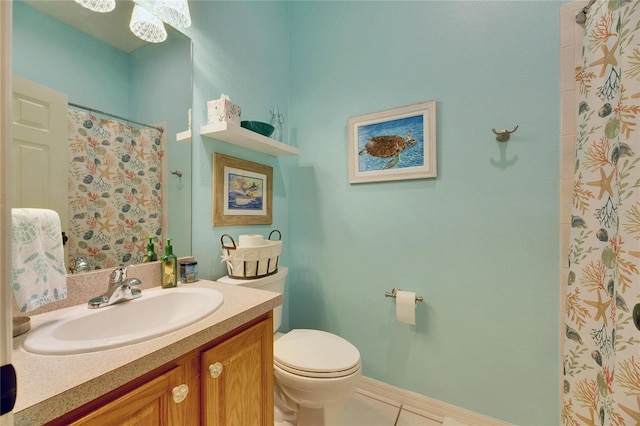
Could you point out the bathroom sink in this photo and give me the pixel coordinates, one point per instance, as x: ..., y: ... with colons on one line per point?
x: 157, y: 312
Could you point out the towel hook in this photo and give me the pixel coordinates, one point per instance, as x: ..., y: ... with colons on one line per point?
x: 503, y: 135
x: 177, y: 173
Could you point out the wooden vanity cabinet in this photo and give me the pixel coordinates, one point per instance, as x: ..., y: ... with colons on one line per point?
x: 148, y: 405
x: 229, y: 380
x: 237, y: 379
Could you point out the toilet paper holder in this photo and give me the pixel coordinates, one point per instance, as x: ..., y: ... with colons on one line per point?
x: 394, y: 293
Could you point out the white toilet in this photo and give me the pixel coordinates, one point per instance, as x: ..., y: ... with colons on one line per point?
x: 315, y: 371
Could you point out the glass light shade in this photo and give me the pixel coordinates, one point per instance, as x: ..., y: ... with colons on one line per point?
x: 147, y: 26
x: 173, y: 12
x: 101, y: 6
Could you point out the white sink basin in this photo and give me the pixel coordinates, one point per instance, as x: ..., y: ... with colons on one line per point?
x: 157, y: 312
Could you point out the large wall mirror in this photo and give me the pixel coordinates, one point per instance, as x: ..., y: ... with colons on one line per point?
x: 115, y: 84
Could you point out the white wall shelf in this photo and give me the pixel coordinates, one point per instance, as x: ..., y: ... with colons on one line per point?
x: 184, y: 137
x: 240, y: 136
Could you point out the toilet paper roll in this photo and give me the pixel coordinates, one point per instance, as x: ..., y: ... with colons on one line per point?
x: 406, y: 306
x: 250, y: 240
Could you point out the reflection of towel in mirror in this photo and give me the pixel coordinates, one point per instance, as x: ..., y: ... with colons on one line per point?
x: 37, y: 258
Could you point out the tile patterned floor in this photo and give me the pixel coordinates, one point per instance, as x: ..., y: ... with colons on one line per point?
x: 363, y: 410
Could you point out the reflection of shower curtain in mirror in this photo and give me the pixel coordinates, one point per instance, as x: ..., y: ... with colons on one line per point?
x: 115, y: 197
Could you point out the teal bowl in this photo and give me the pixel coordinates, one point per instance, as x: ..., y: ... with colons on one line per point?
x: 264, y: 129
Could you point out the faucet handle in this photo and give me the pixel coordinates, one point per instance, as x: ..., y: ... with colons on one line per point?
x: 118, y: 275
x: 132, y: 282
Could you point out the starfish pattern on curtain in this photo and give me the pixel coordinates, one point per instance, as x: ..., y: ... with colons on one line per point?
x: 601, y: 357
x: 115, y: 190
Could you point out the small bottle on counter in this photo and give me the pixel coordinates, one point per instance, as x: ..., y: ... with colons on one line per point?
x: 169, y: 267
x: 150, y: 255
x: 188, y: 271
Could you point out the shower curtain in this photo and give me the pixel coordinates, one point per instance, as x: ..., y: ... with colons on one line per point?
x: 115, y: 190
x: 601, y: 356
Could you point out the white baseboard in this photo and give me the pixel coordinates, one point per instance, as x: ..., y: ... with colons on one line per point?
x: 423, y: 405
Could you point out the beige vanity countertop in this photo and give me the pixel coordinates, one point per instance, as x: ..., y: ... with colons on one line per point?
x: 52, y: 385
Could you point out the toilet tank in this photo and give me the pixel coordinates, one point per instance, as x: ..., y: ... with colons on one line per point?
x: 275, y: 283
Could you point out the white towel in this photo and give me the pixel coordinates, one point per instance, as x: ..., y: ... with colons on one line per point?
x: 37, y: 258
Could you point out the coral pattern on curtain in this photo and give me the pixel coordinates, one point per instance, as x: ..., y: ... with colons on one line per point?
x: 601, y: 357
x: 115, y: 190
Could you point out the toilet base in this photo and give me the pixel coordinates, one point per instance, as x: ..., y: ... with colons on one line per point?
x: 326, y: 416
x: 289, y: 413
x: 281, y: 418
x: 308, y: 401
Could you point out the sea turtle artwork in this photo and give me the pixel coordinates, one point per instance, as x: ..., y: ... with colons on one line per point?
x: 388, y: 146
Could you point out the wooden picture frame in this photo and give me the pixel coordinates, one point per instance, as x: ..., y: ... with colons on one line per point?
x: 242, y: 192
x: 394, y: 144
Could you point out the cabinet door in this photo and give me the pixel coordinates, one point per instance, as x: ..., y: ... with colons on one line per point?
x: 147, y: 405
x: 238, y: 379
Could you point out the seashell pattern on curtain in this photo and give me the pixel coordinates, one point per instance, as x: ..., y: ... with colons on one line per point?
x: 601, y: 359
x: 115, y: 190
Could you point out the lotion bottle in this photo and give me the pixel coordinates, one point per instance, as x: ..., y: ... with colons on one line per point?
x: 169, y: 267
x: 150, y: 255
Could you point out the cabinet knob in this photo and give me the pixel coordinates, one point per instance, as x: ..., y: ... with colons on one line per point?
x: 215, y: 370
x: 180, y: 393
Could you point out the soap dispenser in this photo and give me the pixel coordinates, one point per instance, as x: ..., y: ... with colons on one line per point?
x: 150, y: 255
x: 169, y: 267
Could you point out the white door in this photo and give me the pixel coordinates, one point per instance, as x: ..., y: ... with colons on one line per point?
x: 39, y: 148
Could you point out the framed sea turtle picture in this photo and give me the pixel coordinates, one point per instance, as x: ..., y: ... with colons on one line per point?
x: 394, y: 144
x: 242, y: 192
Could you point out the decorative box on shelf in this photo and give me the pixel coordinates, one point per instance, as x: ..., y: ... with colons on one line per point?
x: 223, y: 111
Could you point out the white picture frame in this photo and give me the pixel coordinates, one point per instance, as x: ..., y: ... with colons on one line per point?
x: 395, y: 144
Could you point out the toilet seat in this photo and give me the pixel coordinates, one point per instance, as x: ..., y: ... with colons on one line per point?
x: 316, y: 374
x: 315, y: 354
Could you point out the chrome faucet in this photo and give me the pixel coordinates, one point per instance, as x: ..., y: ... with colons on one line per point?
x: 120, y: 290
x: 80, y: 264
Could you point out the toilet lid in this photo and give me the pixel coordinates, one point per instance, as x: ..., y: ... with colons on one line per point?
x: 315, y: 353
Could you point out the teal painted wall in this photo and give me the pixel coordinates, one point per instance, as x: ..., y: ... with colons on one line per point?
x: 240, y: 49
x: 479, y: 242
x: 69, y: 61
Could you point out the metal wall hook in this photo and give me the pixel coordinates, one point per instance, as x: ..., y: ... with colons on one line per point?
x: 503, y: 135
x: 177, y: 173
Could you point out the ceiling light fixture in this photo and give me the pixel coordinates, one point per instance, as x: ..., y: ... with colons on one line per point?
x: 173, y: 12
x: 146, y: 25
x: 101, y: 6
